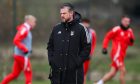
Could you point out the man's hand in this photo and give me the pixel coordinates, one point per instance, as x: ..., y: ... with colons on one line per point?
x: 26, y: 52
x: 104, y: 51
x: 131, y: 40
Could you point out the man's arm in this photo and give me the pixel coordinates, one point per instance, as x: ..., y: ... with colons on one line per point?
x: 20, y: 35
x: 50, y: 48
x: 85, y: 47
x: 132, y: 38
x: 110, y: 35
x: 93, y: 43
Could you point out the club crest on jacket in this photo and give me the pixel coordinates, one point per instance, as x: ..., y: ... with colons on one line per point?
x: 72, y: 33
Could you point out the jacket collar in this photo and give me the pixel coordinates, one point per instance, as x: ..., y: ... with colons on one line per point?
x: 124, y: 28
x: 27, y: 25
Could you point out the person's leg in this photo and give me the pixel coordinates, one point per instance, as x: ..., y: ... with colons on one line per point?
x: 122, y: 71
x: 15, y: 73
x: 122, y: 75
x: 108, y: 76
x: 74, y: 76
x: 55, y: 77
x: 28, y: 73
x: 86, y: 67
x: 70, y: 77
x: 80, y: 75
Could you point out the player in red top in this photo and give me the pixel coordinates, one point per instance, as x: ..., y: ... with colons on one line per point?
x: 92, y: 40
x: 121, y: 37
x: 22, y: 50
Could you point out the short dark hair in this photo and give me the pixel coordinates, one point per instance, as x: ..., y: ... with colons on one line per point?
x: 125, y: 16
x: 69, y: 5
x: 86, y: 20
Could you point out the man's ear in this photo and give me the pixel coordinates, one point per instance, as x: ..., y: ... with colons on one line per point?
x: 72, y: 13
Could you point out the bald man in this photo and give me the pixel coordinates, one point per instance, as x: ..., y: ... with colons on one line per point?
x: 22, y: 50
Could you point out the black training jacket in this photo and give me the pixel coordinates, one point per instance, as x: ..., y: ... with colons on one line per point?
x: 67, y: 46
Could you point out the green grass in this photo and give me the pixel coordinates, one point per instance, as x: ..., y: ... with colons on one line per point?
x: 34, y: 82
x: 99, y: 63
x: 89, y: 82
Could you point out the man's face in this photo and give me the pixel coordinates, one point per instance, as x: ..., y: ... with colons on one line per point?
x: 32, y: 22
x: 66, y: 14
x: 125, y: 21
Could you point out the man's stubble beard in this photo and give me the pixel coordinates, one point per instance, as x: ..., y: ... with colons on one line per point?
x: 67, y: 20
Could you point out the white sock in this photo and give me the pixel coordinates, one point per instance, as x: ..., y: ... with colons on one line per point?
x: 100, y: 82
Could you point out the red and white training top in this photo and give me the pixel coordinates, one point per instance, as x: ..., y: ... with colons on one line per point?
x: 23, y: 40
x: 120, y: 40
x: 93, y: 40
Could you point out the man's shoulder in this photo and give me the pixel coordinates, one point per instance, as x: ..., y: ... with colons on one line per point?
x: 57, y: 26
x: 116, y: 28
x: 130, y: 30
x: 22, y: 29
x: 80, y: 26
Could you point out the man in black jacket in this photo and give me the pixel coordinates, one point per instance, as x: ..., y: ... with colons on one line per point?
x: 68, y: 48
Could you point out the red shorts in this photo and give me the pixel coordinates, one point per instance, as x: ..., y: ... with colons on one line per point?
x: 118, y: 62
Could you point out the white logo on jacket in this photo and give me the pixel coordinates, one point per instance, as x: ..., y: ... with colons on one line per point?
x: 59, y: 32
x: 122, y: 33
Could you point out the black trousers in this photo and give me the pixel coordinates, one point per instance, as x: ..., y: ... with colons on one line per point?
x: 75, y: 76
